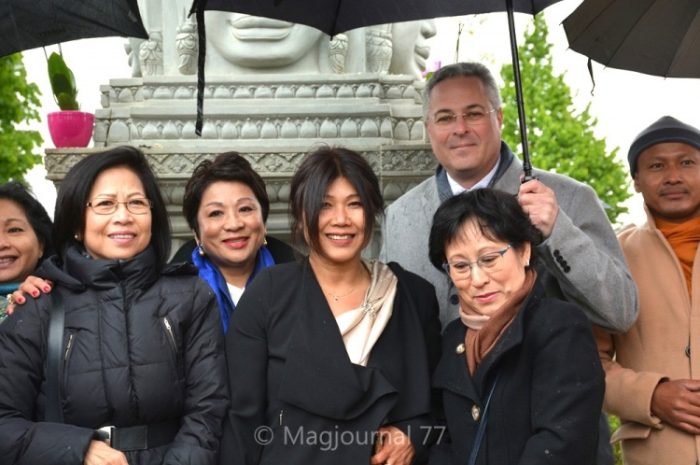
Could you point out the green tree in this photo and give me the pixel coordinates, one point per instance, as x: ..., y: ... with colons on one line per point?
x: 560, y: 139
x: 19, y: 104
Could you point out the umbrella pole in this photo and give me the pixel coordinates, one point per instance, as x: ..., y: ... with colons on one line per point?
x: 527, y: 166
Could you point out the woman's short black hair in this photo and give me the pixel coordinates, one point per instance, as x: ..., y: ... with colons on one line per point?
x: 497, y: 214
x: 72, y: 199
x: 229, y: 166
x: 312, y: 180
x: 36, y: 214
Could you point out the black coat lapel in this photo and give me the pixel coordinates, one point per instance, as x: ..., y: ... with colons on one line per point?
x: 318, y: 376
x: 452, y: 372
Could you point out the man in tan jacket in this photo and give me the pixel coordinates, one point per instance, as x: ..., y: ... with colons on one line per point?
x: 653, y: 370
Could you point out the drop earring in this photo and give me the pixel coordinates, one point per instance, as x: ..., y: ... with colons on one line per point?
x: 200, y: 250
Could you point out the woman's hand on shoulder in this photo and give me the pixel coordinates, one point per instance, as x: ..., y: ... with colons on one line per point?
x: 32, y: 286
x: 99, y: 453
x: 393, y: 447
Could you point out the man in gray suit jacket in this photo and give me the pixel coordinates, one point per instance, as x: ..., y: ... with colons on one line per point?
x: 582, y: 260
x: 580, y: 256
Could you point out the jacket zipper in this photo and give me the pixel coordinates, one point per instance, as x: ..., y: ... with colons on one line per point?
x: 69, y: 346
x: 66, y: 357
x: 171, y: 335
x: 281, y: 413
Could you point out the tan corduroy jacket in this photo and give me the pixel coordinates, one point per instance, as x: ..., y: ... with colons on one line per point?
x: 663, y: 343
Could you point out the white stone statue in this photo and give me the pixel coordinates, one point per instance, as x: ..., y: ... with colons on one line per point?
x: 243, y: 44
x: 151, y: 55
x: 338, y: 52
x: 187, y: 45
x: 411, y: 46
x: 378, y: 48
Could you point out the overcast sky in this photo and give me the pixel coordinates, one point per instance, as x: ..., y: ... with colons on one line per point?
x: 623, y: 102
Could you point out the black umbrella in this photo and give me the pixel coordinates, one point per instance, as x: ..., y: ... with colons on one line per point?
x: 335, y: 16
x: 658, y: 37
x: 27, y: 24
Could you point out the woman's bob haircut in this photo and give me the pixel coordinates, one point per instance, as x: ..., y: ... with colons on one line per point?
x: 72, y: 199
x: 226, y: 167
x: 497, y: 214
x: 311, y: 182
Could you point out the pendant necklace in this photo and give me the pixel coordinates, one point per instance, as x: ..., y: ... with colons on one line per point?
x: 337, y: 297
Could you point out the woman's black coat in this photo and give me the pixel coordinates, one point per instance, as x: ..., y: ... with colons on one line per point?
x: 122, y: 366
x: 297, y: 398
x: 547, y: 402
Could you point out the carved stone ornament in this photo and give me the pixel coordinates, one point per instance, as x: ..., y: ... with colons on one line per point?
x: 271, y: 112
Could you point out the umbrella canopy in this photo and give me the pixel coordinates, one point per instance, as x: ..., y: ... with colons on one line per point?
x: 27, y: 24
x: 658, y: 37
x: 335, y: 16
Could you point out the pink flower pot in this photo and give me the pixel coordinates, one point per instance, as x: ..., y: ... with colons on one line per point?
x: 71, y: 128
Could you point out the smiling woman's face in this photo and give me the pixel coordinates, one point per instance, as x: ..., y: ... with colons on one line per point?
x: 20, y: 249
x: 231, y: 227
x: 341, y: 224
x: 121, y: 234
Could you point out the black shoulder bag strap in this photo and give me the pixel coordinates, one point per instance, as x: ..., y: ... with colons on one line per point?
x: 54, y: 411
x: 482, y: 426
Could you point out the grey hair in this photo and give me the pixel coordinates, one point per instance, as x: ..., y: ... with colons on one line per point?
x: 464, y: 69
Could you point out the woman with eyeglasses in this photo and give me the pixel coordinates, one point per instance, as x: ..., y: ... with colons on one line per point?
x: 123, y: 362
x: 520, y: 378
x: 226, y: 206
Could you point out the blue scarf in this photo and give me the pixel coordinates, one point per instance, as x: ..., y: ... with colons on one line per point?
x: 211, y: 274
x: 6, y: 288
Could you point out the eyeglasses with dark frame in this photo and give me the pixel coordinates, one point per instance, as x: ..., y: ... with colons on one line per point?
x: 137, y: 206
x: 446, y: 119
x: 488, y: 262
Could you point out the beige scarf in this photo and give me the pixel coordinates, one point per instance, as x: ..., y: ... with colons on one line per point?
x: 483, y: 331
x: 362, y: 326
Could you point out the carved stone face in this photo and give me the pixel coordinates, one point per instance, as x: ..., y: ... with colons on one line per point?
x: 411, y: 48
x: 253, y: 42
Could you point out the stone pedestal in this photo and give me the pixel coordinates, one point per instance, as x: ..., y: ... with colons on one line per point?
x: 272, y: 119
x: 370, y: 115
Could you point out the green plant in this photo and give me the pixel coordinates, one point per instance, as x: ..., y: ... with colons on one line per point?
x: 62, y: 82
x: 614, y: 423
x: 19, y: 109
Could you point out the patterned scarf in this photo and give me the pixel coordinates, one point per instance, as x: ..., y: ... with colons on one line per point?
x: 482, y: 336
x: 211, y: 274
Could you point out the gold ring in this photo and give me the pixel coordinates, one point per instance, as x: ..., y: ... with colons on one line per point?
x: 10, y: 301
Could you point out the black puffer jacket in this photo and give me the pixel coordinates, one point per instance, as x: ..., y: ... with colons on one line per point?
x: 139, y: 348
